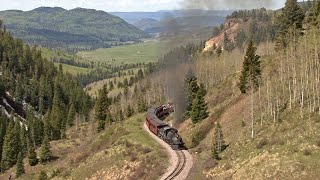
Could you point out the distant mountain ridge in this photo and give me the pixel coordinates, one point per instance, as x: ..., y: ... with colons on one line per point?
x: 161, y: 21
x: 70, y: 29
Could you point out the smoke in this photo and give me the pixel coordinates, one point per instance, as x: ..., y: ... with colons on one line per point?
x: 229, y: 4
x: 176, y: 35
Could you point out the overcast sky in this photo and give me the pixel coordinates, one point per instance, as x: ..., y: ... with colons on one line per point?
x: 121, y: 5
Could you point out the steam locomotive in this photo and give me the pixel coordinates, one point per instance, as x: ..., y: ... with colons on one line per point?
x: 161, y: 129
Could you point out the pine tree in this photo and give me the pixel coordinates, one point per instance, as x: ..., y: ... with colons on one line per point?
x: 71, y: 115
x: 24, y: 141
x: 101, y: 108
x: 32, y: 155
x: 57, y: 112
x: 199, y: 107
x: 10, y: 147
x: 20, y: 167
x: 3, y: 127
x: 46, y: 154
x: 218, y: 139
x: 43, y: 175
x: 191, y: 91
x: 37, y: 131
x: 214, y: 153
x: 228, y: 45
x: 130, y: 111
x: 251, y: 73
x: 219, y: 51
x: 142, y: 105
x: 290, y: 23
x: 121, y: 116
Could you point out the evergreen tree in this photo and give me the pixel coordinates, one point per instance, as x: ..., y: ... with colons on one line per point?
x: 43, y: 175
x: 57, y: 112
x: 228, y: 45
x: 46, y: 154
x: 109, y: 118
x: 121, y: 116
x: 199, y: 107
x: 142, y: 105
x: 140, y: 74
x: 101, y: 108
x: 71, y: 115
x: 37, y: 130
x: 130, y: 111
x: 111, y: 86
x: 251, y: 73
x: 191, y: 91
x: 3, y: 127
x: 32, y: 155
x: 214, y: 152
x: 219, y: 51
x: 24, y: 141
x: 20, y: 167
x: 218, y: 139
x: 10, y: 151
x: 290, y: 23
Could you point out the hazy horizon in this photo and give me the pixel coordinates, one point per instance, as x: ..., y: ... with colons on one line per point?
x: 131, y: 5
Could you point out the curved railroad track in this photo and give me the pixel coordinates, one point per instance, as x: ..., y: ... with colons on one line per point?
x: 182, y: 160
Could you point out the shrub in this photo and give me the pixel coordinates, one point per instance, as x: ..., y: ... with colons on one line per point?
x: 318, y: 143
x: 307, y: 152
x: 146, y: 150
x: 210, y: 164
x: 263, y: 142
x: 197, y: 138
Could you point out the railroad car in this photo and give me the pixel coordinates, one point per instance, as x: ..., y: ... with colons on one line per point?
x: 160, y: 128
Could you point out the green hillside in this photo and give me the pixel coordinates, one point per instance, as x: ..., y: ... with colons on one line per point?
x: 70, y: 29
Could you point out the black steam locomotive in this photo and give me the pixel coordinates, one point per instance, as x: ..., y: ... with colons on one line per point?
x: 161, y: 129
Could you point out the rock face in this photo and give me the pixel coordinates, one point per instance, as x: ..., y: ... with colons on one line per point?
x: 231, y: 28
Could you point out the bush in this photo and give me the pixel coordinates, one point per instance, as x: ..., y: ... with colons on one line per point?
x: 146, y: 150
x: 133, y: 156
x: 210, y: 164
x: 263, y: 142
x: 318, y: 143
x: 307, y: 152
x: 197, y: 138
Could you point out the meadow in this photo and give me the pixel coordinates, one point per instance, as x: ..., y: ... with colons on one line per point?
x: 145, y: 52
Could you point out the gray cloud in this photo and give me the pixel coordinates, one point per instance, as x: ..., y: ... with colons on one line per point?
x: 232, y: 4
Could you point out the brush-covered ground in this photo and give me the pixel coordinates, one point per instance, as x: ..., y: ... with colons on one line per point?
x: 287, y: 149
x: 123, y: 151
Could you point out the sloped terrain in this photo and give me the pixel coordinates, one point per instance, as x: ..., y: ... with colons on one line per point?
x: 123, y: 151
x: 70, y: 29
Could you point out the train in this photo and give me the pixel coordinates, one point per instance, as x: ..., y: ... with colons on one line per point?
x: 161, y: 129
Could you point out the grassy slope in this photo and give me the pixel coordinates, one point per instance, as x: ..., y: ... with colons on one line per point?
x: 74, y: 70
x: 123, y: 151
x: 136, y: 53
x: 58, y: 54
x: 286, y: 150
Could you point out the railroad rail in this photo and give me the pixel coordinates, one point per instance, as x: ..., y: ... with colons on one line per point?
x: 182, y: 160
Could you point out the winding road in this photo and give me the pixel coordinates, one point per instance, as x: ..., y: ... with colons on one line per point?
x: 180, y: 160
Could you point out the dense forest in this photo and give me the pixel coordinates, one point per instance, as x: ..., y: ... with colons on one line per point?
x: 51, y: 101
x: 70, y: 29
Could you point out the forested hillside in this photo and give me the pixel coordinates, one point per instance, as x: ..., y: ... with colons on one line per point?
x: 49, y: 100
x: 74, y: 29
x: 262, y: 97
